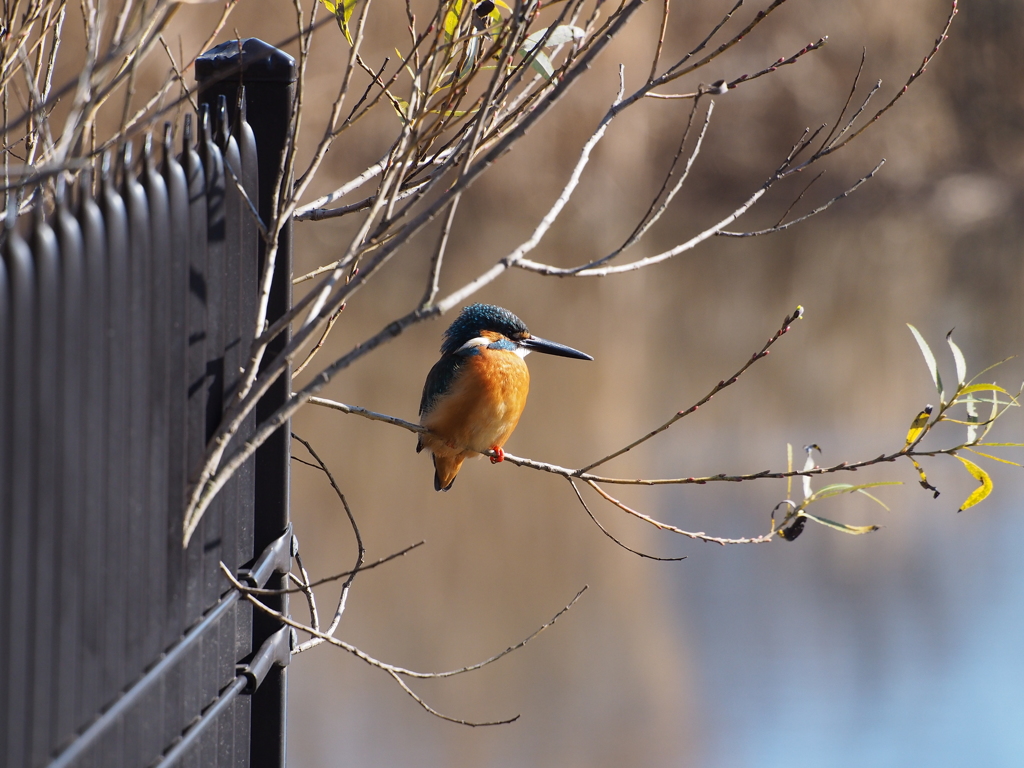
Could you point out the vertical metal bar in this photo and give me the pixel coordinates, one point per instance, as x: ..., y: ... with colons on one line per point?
x: 231, y: 301
x: 213, y: 165
x: 115, y: 589
x: 231, y: 306
x: 159, y: 344
x: 178, y: 364
x: 71, y: 377
x: 46, y: 477
x: 95, y: 352
x: 190, y: 669
x: 19, y: 495
x: 139, y: 440
x: 178, y: 288
x: 249, y: 289
x: 195, y: 437
x: 6, y: 451
x: 158, y: 409
x: 212, y: 533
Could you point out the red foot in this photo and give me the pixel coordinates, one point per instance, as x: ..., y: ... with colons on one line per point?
x: 500, y: 457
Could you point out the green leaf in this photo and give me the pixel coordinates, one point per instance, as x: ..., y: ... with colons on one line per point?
x: 840, y: 488
x: 994, y: 365
x: 917, y: 426
x: 929, y: 360
x: 980, y: 493
x: 471, y: 53
x: 854, y: 530
x: 983, y: 388
x: 540, y: 62
x: 877, y: 500
x: 958, y: 358
x: 1003, y: 445
x: 342, y: 10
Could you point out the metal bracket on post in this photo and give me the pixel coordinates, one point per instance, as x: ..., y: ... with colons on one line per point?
x: 275, y: 558
x: 275, y: 651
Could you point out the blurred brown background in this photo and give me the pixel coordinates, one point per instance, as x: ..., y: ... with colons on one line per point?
x: 898, y: 648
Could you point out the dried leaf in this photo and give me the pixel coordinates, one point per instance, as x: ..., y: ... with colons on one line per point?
x: 924, y: 479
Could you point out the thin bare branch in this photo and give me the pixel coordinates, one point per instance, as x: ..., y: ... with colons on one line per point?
x: 762, y: 353
x: 607, y: 533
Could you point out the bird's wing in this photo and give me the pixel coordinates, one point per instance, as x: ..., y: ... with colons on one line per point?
x: 439, y: 380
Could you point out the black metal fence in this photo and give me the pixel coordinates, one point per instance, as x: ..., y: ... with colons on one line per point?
x: 126, y: 315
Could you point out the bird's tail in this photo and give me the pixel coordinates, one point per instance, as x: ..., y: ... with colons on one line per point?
x: 445, y: 470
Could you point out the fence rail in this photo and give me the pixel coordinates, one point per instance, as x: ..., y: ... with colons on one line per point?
x: 127, y: 306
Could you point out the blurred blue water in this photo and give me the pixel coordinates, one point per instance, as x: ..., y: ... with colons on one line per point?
x: 899, y: 649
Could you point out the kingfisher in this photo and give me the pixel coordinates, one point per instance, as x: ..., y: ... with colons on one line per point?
x: 475, y: 394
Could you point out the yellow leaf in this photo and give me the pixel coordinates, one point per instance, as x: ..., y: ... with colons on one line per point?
x: 452, y: 18
x: 917, y: 427
x: 982, y: 477
x: 994, y: 458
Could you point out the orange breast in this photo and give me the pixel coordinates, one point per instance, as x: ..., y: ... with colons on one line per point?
x: 484, y: 404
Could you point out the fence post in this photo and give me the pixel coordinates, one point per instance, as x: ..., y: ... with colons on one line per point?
x: 268, y: 76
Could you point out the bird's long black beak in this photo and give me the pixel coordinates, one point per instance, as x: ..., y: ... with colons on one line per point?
x: 553, y: 348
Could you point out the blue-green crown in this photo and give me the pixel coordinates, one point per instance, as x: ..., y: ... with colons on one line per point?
x: 481, y: 317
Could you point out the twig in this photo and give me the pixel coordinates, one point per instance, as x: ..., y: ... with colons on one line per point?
x: 335, y: 577
x: 607, y: 533
x: 825, y: 206
x: 762, y: 353
x: 343, y: 598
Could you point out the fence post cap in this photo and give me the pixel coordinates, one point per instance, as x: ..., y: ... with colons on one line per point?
x: 248, y: 59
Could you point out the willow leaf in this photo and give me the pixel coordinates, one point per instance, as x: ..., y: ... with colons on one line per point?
x: 929, y: 360
x: 980, y: 493
x: 958, y: 359
x: 853, y: 530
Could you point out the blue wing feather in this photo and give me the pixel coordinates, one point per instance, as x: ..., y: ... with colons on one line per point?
x: 440, y: 380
